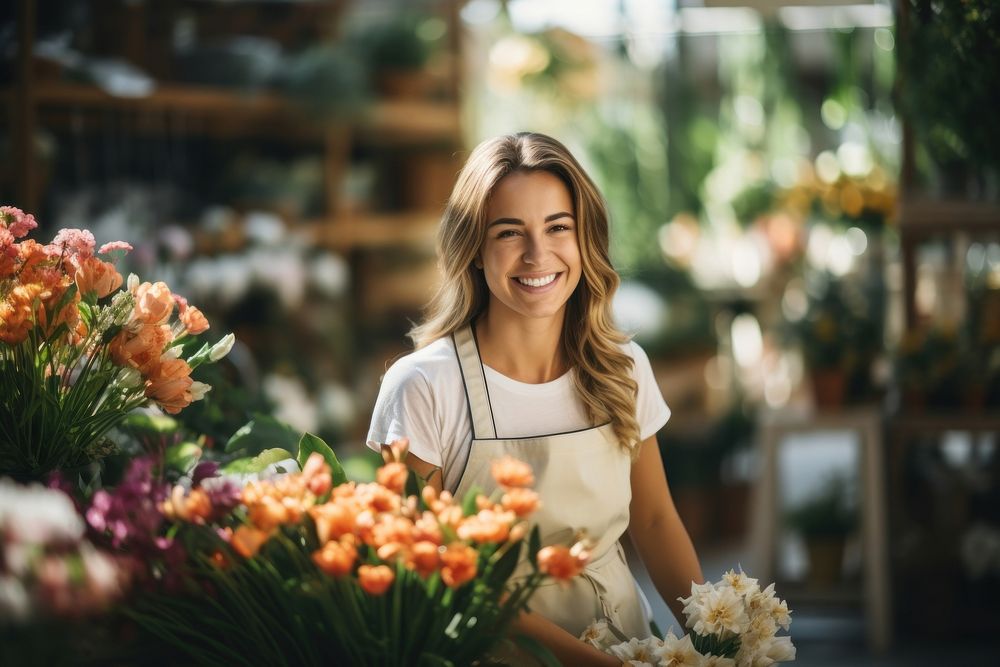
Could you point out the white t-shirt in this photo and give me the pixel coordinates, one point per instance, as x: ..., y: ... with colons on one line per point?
x: 422, y: 397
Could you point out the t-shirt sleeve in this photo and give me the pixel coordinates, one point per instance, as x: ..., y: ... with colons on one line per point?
x: 405, y: 408
x: 651, y: 410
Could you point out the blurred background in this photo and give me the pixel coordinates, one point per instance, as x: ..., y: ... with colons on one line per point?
x: 805, y: 216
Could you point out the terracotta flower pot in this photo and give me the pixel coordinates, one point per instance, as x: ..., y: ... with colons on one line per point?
x: 829, y: 387
x: 826, y: 559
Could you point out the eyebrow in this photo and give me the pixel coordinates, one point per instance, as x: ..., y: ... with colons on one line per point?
x: 518, y: 221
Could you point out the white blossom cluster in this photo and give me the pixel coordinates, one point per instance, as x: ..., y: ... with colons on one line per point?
x: 716, y: 613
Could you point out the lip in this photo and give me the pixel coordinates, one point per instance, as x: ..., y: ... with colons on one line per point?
x: 537, y: 290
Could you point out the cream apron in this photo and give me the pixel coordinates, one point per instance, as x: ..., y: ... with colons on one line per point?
x: 583, y: 478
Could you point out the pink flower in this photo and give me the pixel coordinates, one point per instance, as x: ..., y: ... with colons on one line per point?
x: 114, y: 245
x: 79, y: 242
x: 17, y: 221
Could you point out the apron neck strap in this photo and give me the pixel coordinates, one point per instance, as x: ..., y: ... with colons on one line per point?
x: 474, y: 377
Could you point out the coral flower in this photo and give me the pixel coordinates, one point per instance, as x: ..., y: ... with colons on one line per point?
x: 153, y: 303
x: 389, y: 529
x: 392, y: 476
x: 375, y: 579
x: 558, y: 563
x: 336, y: 558
x: 424, y: 558
x: 193, y: 320
x: 247, y: 541
x: 171, y: 388
x: 316, y: 474
x: 332, y: 521
x: 16, y: 313
x: 140, y: 349
x: 195, y: 507
x: 521, y: 502
x: 510, y: 473
x: 486, y: 526
x: 427, y: 529
x: 458, y: 564
x: 94, y: 275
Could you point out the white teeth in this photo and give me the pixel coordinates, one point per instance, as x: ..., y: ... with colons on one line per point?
x: 537, y: 282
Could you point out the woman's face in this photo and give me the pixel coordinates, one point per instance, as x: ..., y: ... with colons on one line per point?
x: 531, y: 257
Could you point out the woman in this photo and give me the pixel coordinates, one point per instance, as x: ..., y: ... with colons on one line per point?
x: 518, y: 356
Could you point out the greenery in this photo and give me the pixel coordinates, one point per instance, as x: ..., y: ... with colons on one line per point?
x: 826, y: 514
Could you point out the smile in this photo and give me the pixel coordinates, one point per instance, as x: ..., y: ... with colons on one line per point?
x: 537, y: 282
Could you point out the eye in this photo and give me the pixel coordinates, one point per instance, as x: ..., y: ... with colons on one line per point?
x: 507, y: 233
x: 559, y: 227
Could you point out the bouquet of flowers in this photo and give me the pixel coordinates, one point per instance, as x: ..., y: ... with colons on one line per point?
x: 733, y: 623
x: 77, y: 353
x: 308, y: 568
x: 50, y: 574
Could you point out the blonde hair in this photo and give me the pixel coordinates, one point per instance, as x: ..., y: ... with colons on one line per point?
x: 591, y: 341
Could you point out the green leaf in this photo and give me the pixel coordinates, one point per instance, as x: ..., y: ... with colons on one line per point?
x: 256, y: 464
x: 182, y: 456
x: 262, y: 432
x: 534, y: 546
x: 310, y: 443
x: 412, y: 486
x: 537, y: 650
x: 151, y: 424
x: 469, y: 501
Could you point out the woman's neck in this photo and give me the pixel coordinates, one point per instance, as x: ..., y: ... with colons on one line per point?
x: 526, y: 350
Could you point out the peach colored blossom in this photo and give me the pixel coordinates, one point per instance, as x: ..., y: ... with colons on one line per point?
x: 316, y: 474
x: 509, y: 472
x: 193, y: 507
x: 375, y: 579
x: 194, y: 321
x: 332, y: 520
x: 459, y: 563
x: 389, y: 528
x: 517, y: 533
x: 451, y: 516
x: 392, y: 476
x: 558, y: 563
x: 521, y: 502
x: 247, y: 541
x: 427, y: 529
x: 153, y: 303
x: 482, y: 502
x: 424, y: 557
x: 94, y: 275
x: 16, y: 312
x: 171, y: 387
x: 392, y: 551
x: 268, y: 513
x: 140, y: 349
x: 429, y: 495
x: 378, y: 498
x: 486, y: 526
x: 336, y: 558
x: 56, y: 285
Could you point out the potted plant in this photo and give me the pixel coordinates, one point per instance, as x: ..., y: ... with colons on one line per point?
x: 825, y: 521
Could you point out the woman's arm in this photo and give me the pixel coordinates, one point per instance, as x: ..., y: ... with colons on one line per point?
x: 657, y: 532
x: 568, y: 649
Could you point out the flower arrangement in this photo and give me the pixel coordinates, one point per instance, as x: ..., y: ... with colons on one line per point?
x: 309, y: 568
x: 733, y: 623
x: 77, y: 353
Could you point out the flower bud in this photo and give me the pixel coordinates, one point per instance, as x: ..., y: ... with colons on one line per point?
x: 222, y: 348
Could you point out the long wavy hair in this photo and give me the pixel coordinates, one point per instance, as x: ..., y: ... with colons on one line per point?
x: 590, y: 340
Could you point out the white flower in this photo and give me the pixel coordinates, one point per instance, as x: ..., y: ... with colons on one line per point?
x: 678, y: 652
x: 129, y: 378
x: 720, y: 611
x: 716, y: 661
x: 694, y: 602
x: 37, y: 515
x: 636, y: 651
x: 132, y: 283
x: 740, y: 583
x: 597, y: 634
x: 199, y: 389
x: 222, y: 348
x: 15, y: 604
x: 781, y: 649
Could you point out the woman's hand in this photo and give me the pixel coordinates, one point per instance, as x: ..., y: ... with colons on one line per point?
x: 568, y: 649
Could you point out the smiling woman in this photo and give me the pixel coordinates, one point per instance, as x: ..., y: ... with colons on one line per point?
x: 518, y: 356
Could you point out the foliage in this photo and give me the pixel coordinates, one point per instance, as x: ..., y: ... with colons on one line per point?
x: 826, y: 514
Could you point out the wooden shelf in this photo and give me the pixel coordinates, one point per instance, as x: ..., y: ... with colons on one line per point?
x: 235, y: 113
x: 375, y: 230
x: 934, y: 216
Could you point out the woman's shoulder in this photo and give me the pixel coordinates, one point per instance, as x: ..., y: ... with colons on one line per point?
x: 431, y: 364
x: 633, y: 349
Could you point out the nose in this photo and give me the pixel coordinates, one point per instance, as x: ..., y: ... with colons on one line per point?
x: 534, y: 248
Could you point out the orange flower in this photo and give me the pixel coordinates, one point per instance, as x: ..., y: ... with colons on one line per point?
x: 424, y: 557
x: 56, y: 285
x: 195, y: 507
x: 558, y: 563
x: 95, y: 275
x: 486, y: 526
x: 247, y: 541
x: 332, y: 520
x: 377, y: 498
x: 141, y: 348
x: 336, y: 558
x: 392, y: 476
x: 153, y: 303
x: 392, y: 551
x: 375, y: 579
x: 171, y: 388
x: 509, y: 473
x: 520, y: 501
x: 16, y: 310
x: 316, y: 474
x: 427, y: 529
x: 458, y: 564
x: 194, y: 321
x: 389, y: 528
